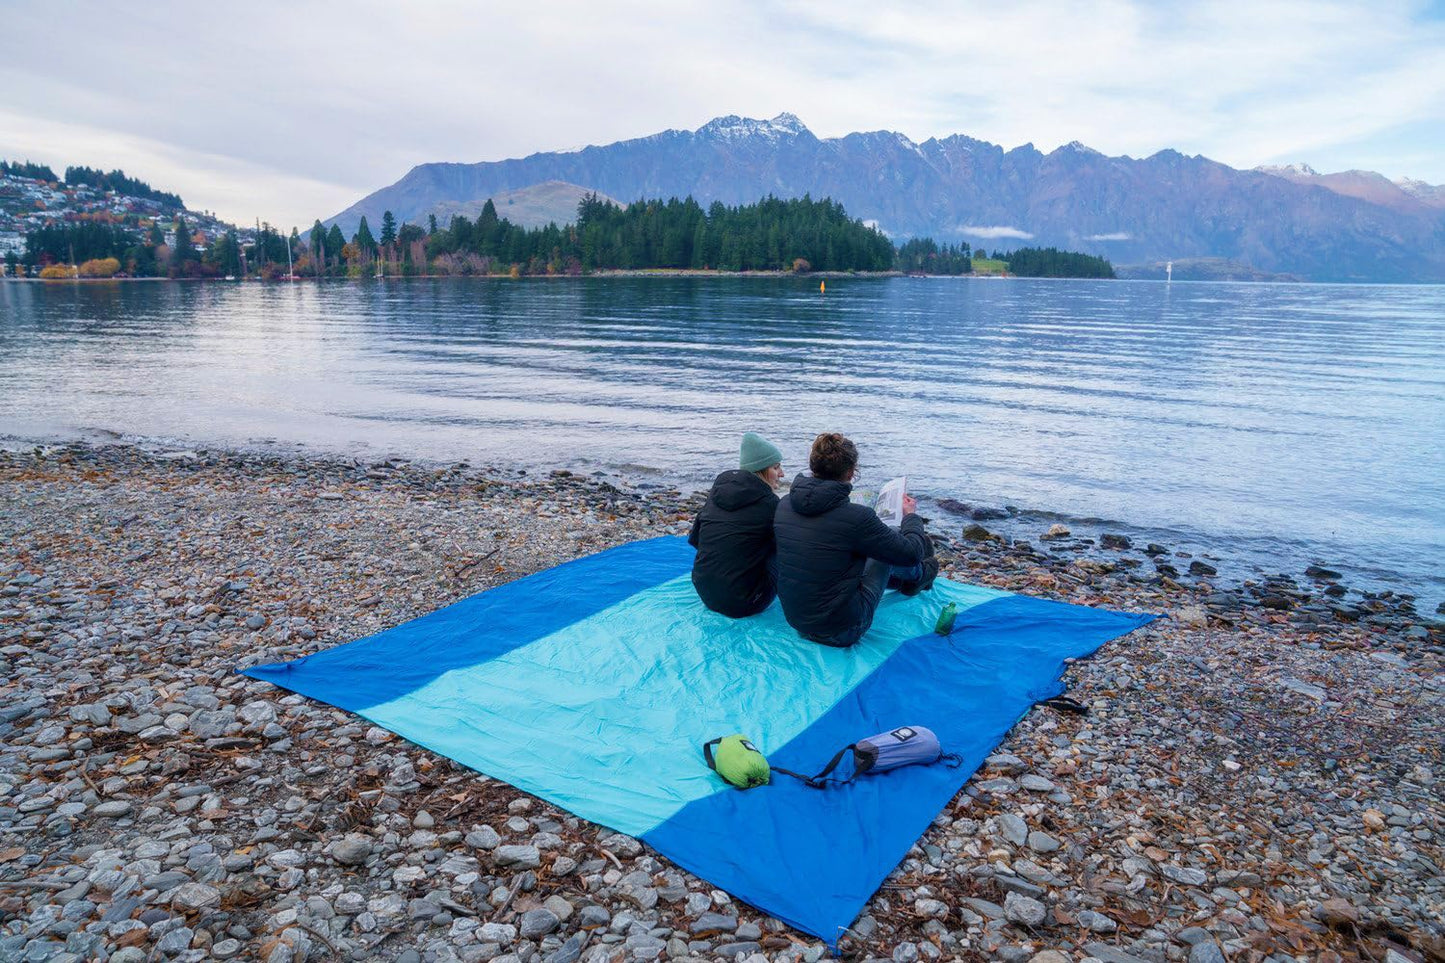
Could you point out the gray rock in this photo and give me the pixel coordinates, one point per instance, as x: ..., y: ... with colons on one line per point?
x: 225, y: 949
x: 351, y: 850
x: 1006, y: 763
x: 1012, y: 828
x: 711, y: 924
x: 1042, y: 842
x: 1023, y: 910
x: 1035, y: 783
x: 733, y: 950
x: 1110, y: 954
x: 568, y: 952
x: 1206, y: 951
x: 1183, y: 875
x: 175, y: 942
x: 95, y: 713
x: 1097, y: 922
x: 905, y: 953
x: 484, y: 837
x: 560, y: 907
x: 503, y: 934
x: 592, y: 917
x: 195, y: 896
x: 538, y: 922
x: 989, y: 909
x: 114, y: 809
x: 521, y: 857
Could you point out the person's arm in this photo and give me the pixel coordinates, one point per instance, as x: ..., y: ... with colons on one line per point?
x: 692, y: 535
x: 907, y: 546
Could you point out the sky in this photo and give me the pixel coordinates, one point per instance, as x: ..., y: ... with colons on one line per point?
x: 290, y: 112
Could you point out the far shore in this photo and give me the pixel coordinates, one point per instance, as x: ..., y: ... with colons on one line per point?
x: 640, y: 272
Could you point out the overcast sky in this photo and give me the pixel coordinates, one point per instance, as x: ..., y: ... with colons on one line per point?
x: 292, y: 111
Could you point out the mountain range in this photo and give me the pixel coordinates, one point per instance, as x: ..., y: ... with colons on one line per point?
x: 1275, y: 221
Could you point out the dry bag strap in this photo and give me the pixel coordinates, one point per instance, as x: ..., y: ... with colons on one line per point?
x: 817, y: 781
x: 707, y: 752
x: 1062, y: 703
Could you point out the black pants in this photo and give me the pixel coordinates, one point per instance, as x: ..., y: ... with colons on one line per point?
x: 877, y: 578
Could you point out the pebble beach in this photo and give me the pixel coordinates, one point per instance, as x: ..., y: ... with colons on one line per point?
x: 1256, y: 779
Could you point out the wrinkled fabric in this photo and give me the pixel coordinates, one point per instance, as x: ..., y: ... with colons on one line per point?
x: 594, y: 686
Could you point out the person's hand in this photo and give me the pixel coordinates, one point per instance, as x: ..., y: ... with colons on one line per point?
x: 910, y: 505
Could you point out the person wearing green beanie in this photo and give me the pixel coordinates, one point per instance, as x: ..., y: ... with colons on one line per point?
x: 735, y: 571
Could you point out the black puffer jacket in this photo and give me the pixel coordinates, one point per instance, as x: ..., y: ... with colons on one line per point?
x: 736, y: 569
x: 824, y: 541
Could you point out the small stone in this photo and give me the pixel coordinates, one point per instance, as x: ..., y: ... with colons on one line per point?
x: 905, y: 952
x: 537, y: 923
x: 522, y: 857
x: 351, y: 850
x: 1097, y: 922
x: 176, y: 941
x: 501, y: 933
x: 114, y: 809
x: 569, y: 952
x: 1012, y: 828
x: 224, y: 950
x: 1055, y: 532
x: 559, y: 906
x: 424, y: 820
x: 711, y: 924
x: 932, y: 908
x: 1023, y: 910
x: 1337, y: 913
x: 1042, y: 842
x: 1049, y: 956
x: 194, y: 896
x: 592, y: 917
x: 1036, y: 783
x: 1183, y: 875
x: 1207, y: 951
x: 484, y: 837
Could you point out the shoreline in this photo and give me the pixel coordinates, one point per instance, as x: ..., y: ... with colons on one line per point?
x: 1308, y: 584
x: 1247, y: 782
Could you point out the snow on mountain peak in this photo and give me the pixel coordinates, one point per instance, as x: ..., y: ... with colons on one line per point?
x: 1288, y: 170
x: 732, y: 127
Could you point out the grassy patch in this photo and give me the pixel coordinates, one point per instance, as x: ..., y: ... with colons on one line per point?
x: 983, y: 265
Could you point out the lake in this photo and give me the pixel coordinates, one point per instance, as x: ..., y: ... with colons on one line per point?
x: 1269, y: 425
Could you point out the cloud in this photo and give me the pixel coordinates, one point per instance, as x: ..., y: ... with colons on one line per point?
x: 1115, y: 236
x: 290, y: 124
x: 989, y: 233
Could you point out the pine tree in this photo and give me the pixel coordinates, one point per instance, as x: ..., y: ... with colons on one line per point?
x: 335, y: 241
x: 363, y: 238
x: 388, y: 228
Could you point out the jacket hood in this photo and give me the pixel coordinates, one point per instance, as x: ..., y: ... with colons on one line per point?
x: 816, y: 496
x: 736, y: 489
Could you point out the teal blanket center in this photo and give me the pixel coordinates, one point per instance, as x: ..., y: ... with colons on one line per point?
x: 594, y: 685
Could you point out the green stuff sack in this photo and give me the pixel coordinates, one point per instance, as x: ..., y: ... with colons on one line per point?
x: 738, y: 761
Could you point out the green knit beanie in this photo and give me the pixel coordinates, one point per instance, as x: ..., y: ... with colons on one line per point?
x: 757, y: 453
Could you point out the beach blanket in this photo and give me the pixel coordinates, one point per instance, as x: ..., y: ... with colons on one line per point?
x: 594, y: 685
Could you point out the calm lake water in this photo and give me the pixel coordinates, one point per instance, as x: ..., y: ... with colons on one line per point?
x: 1270, y: 425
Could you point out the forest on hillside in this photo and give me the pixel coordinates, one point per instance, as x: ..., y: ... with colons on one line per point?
x: 796, y: 235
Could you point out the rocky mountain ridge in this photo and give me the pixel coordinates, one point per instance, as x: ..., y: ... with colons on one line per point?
x: 1131, y: 210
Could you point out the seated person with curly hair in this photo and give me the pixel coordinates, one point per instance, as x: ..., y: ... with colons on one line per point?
x: 836, y: 558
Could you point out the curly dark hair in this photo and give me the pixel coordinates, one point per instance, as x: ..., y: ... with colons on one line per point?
x: 832, y: 456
